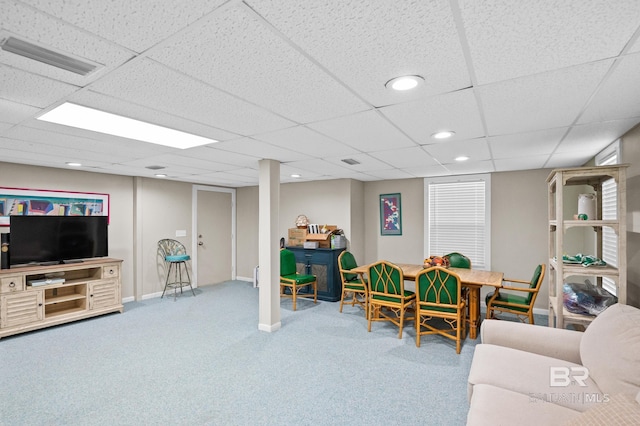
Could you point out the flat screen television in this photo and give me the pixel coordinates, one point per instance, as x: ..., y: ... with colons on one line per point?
x: 56, y: 239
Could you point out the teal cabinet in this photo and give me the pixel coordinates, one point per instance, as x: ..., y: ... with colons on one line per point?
x: 323, y: 263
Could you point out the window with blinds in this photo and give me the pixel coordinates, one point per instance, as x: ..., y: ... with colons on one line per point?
x: 458, y: 218
x: 609, y: 212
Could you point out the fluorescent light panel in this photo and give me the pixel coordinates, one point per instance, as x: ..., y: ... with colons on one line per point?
x: 81, y: 117
x: 46, y: 56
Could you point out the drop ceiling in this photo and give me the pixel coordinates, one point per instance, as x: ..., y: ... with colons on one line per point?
x: 524, y: 85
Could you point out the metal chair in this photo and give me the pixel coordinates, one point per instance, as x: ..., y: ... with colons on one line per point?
x: 175, y: 255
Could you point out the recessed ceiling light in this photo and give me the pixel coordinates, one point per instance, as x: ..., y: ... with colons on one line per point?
x: 73, y: 115
x: 295, y: 175
x: 160, y: 175
x: 462, y: 158
x: 73, y: 164
x: 406, y: 82
x: 443, y: 134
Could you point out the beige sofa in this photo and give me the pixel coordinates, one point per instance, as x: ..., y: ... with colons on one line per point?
x: 525, y: 374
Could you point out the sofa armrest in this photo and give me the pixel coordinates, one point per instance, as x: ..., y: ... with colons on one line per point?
x: 547, y: 341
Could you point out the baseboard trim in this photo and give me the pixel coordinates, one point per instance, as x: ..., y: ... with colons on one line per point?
x: 270, y: 328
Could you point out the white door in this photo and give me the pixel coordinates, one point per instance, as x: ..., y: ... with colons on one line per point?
x: 214, y: 235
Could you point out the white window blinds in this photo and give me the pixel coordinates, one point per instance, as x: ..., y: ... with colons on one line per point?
x: 458, y: 220
x: 609, y: 212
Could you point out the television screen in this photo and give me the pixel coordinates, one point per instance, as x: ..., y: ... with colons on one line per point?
x: 56, y: 239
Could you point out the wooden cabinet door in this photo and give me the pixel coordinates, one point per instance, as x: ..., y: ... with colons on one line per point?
x: 104, y: 294
x: 21, y: 308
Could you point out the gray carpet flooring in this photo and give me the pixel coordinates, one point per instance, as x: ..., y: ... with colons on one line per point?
x: 202, y: 361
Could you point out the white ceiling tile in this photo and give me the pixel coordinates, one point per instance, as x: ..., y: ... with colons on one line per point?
x: 526, y: 144
x: 511, y: 39
x: 405, y: 157
x: 389, y: 174
x: 366, y: 131
x: 155, y: 86
x: 567, y: 159
x: 211, y: 153
x: 320, y: 168
x: 14, y: 112
x: 137, y: 25
x: 30, y: 89
x: 590, y: 139
x: 366, y: 162
x: 456, y: 111
x: 542, y: 101
x: 427, y: 170
x: 470, y: 167
x: 521, y: 163
x: 366, y: 43
x: 234, y: 51
x: 260, y: 149
x: 447, y: 152
x: 174, y: 162
x: 308, y: 141
x: 618, y: 96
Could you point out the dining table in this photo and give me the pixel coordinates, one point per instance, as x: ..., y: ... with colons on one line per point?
x: 473, y: 279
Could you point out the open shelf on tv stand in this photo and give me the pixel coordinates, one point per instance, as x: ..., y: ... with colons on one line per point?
x: 34, y: 297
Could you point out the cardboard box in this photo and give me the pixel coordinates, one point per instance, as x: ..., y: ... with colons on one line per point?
x: 298, y: 233
x: 295, y: 242
x: 324, y: 240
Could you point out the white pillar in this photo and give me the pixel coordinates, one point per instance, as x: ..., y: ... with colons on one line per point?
x: 268, y: 245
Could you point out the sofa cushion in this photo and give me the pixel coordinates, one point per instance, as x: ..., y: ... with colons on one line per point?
x: 492, y: 405
x: 529, y: 374
x: 609, y: 349
x: 619, y: 409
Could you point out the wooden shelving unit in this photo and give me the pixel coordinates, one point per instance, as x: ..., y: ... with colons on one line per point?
x: 90, y: 288
x: 559, y: 225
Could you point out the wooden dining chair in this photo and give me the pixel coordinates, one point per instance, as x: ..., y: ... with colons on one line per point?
x: 388, y: 300
x: 439, y: 295
x: 293, y: 281
x: 519, y: 304
x: 354, y: 286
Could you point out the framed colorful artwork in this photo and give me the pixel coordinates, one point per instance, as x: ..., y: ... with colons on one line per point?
x: 18, y: 201
x: 390, y: 214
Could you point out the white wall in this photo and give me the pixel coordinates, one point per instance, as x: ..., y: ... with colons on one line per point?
x: 120, y: 192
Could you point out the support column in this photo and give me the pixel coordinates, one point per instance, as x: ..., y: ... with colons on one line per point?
x: 268, y: 245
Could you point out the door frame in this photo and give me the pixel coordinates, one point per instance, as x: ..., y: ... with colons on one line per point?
x: 194, y: 227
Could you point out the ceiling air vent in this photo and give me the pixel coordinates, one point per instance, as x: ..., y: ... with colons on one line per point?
x: 350, y: 161
x: 49, y: 57
x: 155, y: 167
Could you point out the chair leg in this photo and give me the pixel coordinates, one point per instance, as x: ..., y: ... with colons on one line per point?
x: 166, y: 282
x: 294, y: 292
x: 417, y: 329
x: 342, y: 298
x: 315, y: 291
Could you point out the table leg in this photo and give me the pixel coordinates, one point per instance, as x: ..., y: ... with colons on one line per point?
x: 474, y: 311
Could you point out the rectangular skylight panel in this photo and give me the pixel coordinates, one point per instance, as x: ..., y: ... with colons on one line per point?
x: 81, y: 117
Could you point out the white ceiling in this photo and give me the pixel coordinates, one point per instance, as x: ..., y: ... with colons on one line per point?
x: 524, y: 84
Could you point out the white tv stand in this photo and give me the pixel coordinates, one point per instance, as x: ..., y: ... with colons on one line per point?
x: 90, y: 288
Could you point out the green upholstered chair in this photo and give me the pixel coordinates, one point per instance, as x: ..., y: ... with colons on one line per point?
x: 293, y: 281
x: 511, y: 302
x: 388, y: 300
x: 354, y: 286
x: 458, y: 260
x: 439, y: 295
x: 175, y: 256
